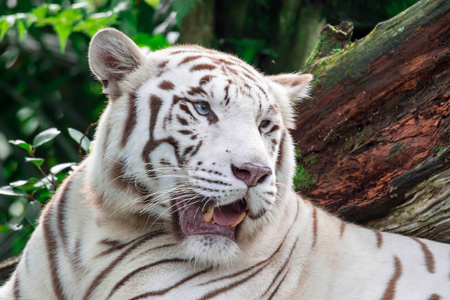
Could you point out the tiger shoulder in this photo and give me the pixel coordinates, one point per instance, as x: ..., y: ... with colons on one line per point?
x: 187, y: 194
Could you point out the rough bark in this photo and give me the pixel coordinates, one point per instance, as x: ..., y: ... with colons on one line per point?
x: 380, y: 107
x: 426, y: 210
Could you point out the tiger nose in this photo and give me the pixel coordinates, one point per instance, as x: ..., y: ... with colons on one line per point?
x: 251, y: 174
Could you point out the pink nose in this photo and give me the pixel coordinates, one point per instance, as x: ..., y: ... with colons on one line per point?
x: 251, y: 174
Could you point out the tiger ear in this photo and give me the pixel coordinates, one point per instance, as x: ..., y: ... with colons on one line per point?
x: 296, y: 85
x: 112, y: 56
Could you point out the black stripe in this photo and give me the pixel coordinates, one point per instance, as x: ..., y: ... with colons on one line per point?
x: 202, y: 67
x: 61, y: 213
x: 184, y: 108
x: 314, y: 231
x: 428, y: 255
x: 164, y: 291
x: 197, y: 91
x: 131, y: 119
x: 379, y: 238
x: 197, y: 148
x: 233, y: 285
x: 211, y: 181
x: 189, y: 59
x: 155, y: 107
x: 185, y: 132
x: 187, y: 151
x: 182, y: 121
x: 207, y: 189
x: 279, y: 163
x: 389, y: 293
x: 103, y: 274
x: 52, y: 251
x: 166, y: 85
x: 282, y: 268
x: 16, y: 285
x: 141, y: 269
x: 278, y: 286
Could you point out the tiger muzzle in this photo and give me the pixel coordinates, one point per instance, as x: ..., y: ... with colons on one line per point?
x: 218, y: 220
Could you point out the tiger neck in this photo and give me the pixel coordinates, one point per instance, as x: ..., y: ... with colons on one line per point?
x: 292, y: 225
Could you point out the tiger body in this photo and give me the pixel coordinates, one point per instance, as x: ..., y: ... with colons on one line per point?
x: 187, y: 195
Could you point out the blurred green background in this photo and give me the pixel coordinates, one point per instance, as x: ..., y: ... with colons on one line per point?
x: 45, y: 82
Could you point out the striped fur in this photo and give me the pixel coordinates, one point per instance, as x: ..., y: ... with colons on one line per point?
x: 181, y: 128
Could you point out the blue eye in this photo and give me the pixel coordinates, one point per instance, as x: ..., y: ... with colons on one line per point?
x: 264, y: 123
x: 202, y: 108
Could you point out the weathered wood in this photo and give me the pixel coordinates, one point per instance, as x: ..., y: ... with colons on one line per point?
x: 380, y: 107
x: 424, y: 197
x: 426, y: 212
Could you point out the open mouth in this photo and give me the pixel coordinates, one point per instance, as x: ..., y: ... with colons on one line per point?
x: 219, y: 220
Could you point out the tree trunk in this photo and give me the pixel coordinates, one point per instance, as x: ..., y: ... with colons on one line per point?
x: 380, y: 108
x: 197, y: 26
x: 299, y: 26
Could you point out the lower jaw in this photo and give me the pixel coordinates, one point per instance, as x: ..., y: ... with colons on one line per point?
x: 193, y: 222
x: 219, y: 231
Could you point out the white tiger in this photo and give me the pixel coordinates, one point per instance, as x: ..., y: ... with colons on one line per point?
x: 187, y: 195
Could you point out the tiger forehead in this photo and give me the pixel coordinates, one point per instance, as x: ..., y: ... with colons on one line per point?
x: 198, y: 59
x: 238, y: 79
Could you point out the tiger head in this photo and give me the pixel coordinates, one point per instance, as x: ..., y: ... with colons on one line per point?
x: 193, y: 141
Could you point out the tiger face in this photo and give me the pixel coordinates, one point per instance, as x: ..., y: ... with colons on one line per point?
x: 204, y: 152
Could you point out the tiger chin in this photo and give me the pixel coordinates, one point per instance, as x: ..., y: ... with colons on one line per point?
x: 187, y: 193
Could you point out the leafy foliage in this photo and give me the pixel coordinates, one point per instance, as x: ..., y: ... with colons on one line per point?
x: 31, y: 194
x: 302, y: 178
x: 76, y: 18
x: 43, y: 61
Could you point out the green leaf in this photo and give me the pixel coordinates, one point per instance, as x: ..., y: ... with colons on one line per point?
x: 58, y: 168
x: 76, y: 136
x: 47, y: 181
x: 8, y: 191
x: 45, y: 136
x: 35, y: 161
x: 152, y: 3
x: 63, y: 24
x: 18, y: 183
x: 32, y: 211
x: 5, y: 23
x: 95, y: 23
x: 25, y: 185
x: 40, y: 12
x: 154, y: 42
x: 21, y: 29
x: 22, y: 144
x: 63, y: 32
x: 37, y: 14
x: 43, y: 196
x: 182, y: 8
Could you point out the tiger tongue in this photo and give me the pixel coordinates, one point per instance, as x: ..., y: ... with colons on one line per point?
x: 228, y: 214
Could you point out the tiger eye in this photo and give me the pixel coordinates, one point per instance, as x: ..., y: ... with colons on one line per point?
x: 264, y: 124
x: 202, y: 108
